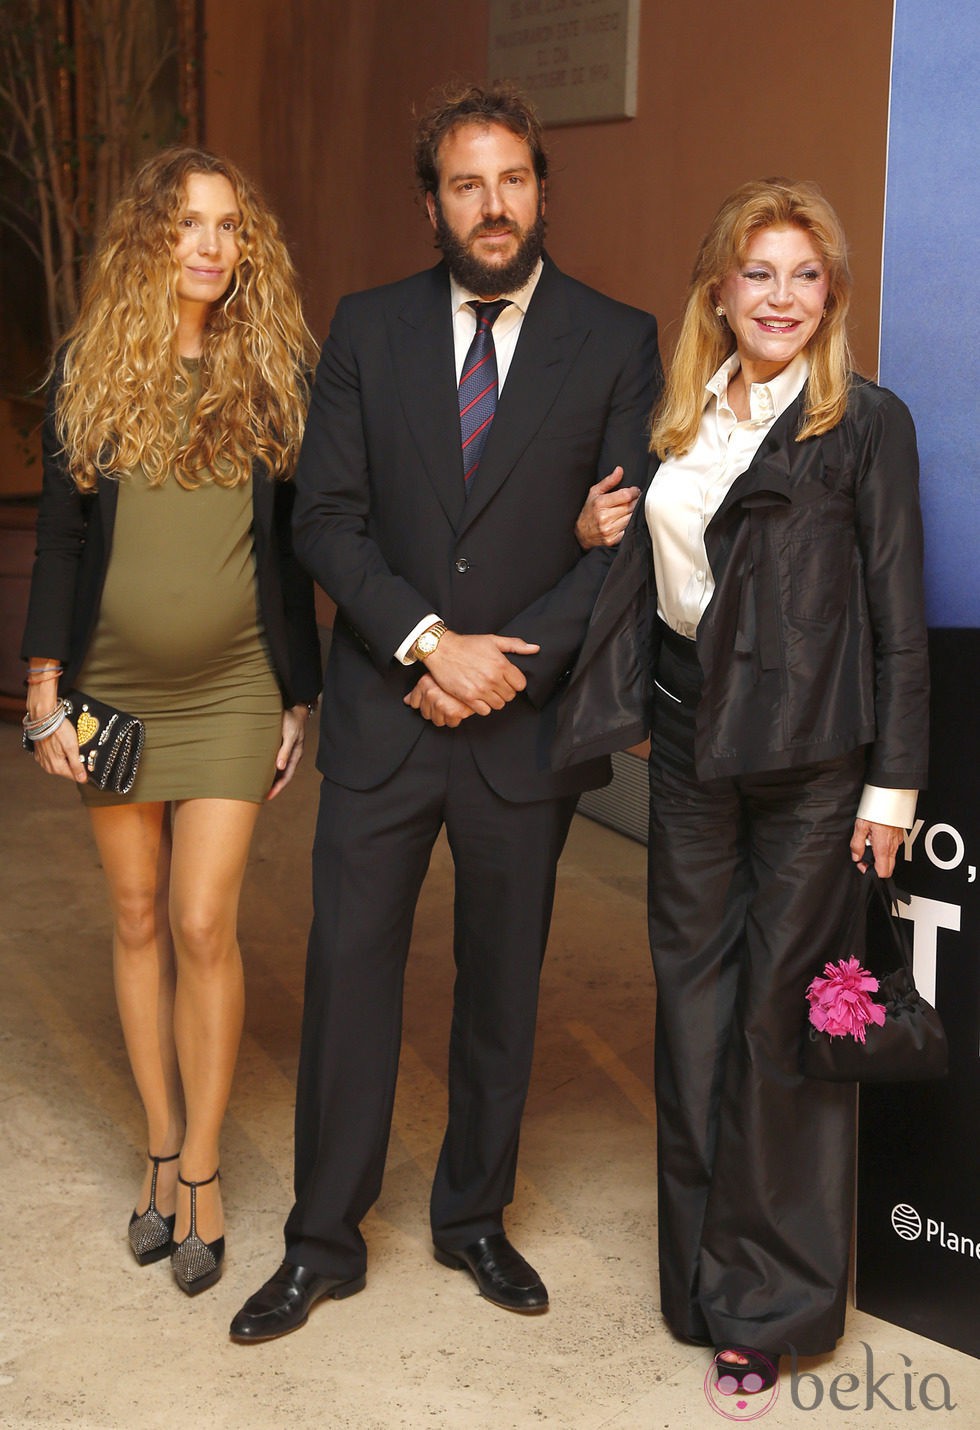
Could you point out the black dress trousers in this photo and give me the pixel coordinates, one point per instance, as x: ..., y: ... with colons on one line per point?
x: 752, y: 888
x: 370, y: 857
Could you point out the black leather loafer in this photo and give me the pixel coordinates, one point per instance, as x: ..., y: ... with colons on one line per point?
x: 284, y: 1303
x: 501, y: 1273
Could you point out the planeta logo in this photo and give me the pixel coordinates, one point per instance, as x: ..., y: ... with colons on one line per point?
x: 906, y: 1222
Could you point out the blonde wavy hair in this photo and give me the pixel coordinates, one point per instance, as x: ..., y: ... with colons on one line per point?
x: 124, y: 394
x: 706, y: 339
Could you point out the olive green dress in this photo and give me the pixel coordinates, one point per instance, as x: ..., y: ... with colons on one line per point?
x: 179, y: 644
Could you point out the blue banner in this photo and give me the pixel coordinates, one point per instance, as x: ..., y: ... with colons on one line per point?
x: 918, y: 1221
x: 930, y: 349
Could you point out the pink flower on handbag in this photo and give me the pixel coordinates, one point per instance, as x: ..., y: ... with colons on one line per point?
x: 839, y: 1002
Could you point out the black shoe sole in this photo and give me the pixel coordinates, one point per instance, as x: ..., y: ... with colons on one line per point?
x: 446, y: 1258
x: 337, y: 1293
x: 149, y: 1258
x: 200, y: 1283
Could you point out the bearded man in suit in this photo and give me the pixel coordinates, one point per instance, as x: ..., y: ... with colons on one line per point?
x: 448, y: 454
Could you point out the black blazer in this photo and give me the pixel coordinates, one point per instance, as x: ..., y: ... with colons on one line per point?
x: 814, y: 642
x: 74, y: 543
x: 384, y: 525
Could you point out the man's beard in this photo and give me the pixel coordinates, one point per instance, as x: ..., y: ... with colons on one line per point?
x: 487, y: 280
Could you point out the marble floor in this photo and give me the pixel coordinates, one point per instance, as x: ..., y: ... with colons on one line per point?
x: 89, y: 1340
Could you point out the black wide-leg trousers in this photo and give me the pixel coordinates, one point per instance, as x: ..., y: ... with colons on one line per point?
x: 752, y: 888
x: 370, y: 857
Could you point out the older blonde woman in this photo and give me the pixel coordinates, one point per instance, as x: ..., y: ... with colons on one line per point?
x: 763, y: 620
x: 165, y: 585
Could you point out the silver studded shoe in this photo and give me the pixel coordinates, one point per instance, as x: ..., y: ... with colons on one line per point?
x: 150, y: 1234
x: 196, y: 1264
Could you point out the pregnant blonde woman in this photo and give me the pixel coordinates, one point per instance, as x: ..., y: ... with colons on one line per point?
x: 165, y: 585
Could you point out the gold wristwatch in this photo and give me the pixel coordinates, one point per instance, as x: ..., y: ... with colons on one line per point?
x: 428, y: 641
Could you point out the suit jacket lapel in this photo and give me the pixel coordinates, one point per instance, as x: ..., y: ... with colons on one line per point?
x: 425, y: 373
x: 263, y: 497
x: 263, y: 511
x: 548, y: 344
x: 108, y: 495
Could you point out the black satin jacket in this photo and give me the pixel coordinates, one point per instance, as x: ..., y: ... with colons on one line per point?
x: 814, y: 642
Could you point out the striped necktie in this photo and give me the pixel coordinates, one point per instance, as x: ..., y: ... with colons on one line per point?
x: 478, y: 386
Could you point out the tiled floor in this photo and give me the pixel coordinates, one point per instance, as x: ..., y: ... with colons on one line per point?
x: 87, y: 1339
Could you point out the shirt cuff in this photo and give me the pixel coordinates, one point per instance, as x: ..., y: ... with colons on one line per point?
x: 888, y: 806
x: 402, y: 652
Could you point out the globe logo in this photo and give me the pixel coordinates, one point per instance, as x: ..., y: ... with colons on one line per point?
x: 906, y: 1222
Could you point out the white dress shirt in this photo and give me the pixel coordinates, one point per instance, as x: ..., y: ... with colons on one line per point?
x: 688, y: 490
x: 684, y: 496
x: 506, y: 331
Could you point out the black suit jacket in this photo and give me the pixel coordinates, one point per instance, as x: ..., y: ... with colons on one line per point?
x: 74, y: 543
x: 384, y: 525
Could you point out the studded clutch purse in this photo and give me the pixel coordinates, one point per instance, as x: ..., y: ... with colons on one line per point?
x: 110, y: 742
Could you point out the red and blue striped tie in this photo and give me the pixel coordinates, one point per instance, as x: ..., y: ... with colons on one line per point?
x: 478, y: 386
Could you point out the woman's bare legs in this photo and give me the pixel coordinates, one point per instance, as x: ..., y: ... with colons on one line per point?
x: 134, y: 845
x: 211, y: 839
x: 174, y: 888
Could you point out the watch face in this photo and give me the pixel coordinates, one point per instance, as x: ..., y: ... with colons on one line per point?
x: 427, y: 643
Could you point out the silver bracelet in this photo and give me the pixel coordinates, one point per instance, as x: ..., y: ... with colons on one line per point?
x: 47, y: 724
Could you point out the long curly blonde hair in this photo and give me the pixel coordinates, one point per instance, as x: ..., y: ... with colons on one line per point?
x: 705, y: 340
x: 124, y: 396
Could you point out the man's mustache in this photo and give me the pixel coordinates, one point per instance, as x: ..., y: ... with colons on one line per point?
x: 494, y: 226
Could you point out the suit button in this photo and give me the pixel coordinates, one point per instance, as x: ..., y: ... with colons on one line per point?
x: 462, y: 565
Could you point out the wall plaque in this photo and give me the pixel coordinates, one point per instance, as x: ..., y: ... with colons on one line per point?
x: 575, y: 58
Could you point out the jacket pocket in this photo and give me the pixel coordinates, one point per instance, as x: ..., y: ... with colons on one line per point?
x: 820, y: 573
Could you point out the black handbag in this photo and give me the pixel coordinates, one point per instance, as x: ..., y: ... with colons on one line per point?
x: 110, y: 742
x: 909, y: 1046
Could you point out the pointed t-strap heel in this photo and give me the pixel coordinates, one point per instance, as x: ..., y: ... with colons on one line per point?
x: 196, y: 1264
x: 150, y: 1234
